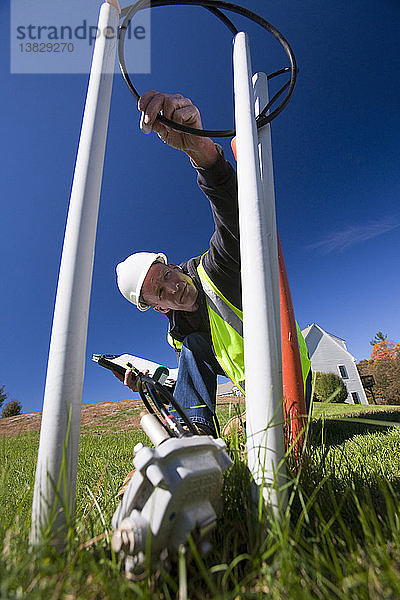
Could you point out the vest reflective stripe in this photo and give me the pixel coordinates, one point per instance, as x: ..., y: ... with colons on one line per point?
x: 219, y: 306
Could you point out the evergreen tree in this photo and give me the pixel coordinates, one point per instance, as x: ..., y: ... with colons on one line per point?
x: 3, y: 395
x: 379, y: 337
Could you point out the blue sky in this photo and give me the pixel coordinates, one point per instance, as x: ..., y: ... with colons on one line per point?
x: 336, y: 162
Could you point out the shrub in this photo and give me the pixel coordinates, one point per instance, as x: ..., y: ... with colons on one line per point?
x: 329, y: 387
x: 11, y: 409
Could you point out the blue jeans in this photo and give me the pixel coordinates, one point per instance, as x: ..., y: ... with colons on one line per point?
x: 196, y: 385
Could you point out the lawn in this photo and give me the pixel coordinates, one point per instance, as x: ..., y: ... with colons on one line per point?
x: 339, y: 538
x: 330, y: 409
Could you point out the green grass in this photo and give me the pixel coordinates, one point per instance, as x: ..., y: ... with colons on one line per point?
x: 333, y: 424
x: 330, y: 409
x: 340, y: 538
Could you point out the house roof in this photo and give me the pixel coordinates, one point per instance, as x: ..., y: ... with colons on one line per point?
x: 336, y: 339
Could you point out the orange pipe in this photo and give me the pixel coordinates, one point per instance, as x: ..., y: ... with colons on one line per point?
x: 293, y: 387
x: 294, y: 405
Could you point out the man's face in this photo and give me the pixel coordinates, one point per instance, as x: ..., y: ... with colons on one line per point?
x: 166, y: 288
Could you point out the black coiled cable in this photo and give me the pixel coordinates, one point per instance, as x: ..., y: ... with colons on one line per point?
x: 161, y: 397
x: 214, y: 6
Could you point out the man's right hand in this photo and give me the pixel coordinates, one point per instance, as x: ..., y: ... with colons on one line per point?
x: 129, y: 379
x: 175, y: 107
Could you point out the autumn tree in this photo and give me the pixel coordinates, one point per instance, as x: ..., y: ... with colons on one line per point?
x: 364, y: 367
x: 386, y: 372
x: 385, y: 349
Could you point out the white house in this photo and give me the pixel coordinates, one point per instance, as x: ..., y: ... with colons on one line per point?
x: 228, y: 389
x: 328, y: 354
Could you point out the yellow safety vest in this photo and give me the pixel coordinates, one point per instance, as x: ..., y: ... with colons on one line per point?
x: 304, y: 359
x: 226, y: 325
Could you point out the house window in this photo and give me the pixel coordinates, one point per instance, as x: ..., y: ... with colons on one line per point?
x: 356, y: 397
x: 343, y: 372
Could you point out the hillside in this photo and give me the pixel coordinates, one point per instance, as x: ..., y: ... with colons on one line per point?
x: 119, y: 415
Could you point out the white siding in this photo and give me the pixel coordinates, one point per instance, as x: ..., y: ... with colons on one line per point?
x: 225, y: 389
x: 339, y: 341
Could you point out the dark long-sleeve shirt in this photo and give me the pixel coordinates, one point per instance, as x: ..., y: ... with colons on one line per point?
x: 222, y: 261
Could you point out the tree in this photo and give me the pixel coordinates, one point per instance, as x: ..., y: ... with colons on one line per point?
x: 379, y: 337
x: 12, y: 409
x: 385, y: 349
x: 3, y: 395
x: 329, y: 387
x: 386, y: 372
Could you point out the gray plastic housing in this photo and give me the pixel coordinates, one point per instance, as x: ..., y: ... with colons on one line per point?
x: 175, y: 491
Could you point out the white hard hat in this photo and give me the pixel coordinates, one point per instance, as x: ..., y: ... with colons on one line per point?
x: 131, y: 273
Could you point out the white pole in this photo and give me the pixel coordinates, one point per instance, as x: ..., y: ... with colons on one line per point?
x: 260, y: 283
x: 268, y: 215
x: 55, y: 482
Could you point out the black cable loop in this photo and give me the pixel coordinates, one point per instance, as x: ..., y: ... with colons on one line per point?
x: 213, y: 6
x: 156, y: 391
x: 170, y: 399
x: 143, y: 395
x: 220, y: 15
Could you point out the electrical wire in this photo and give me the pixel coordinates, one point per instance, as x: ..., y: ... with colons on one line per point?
x: 214, y: 7
x: 161, y: 396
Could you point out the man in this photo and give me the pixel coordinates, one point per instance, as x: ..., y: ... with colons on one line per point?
x: 201, y: 297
